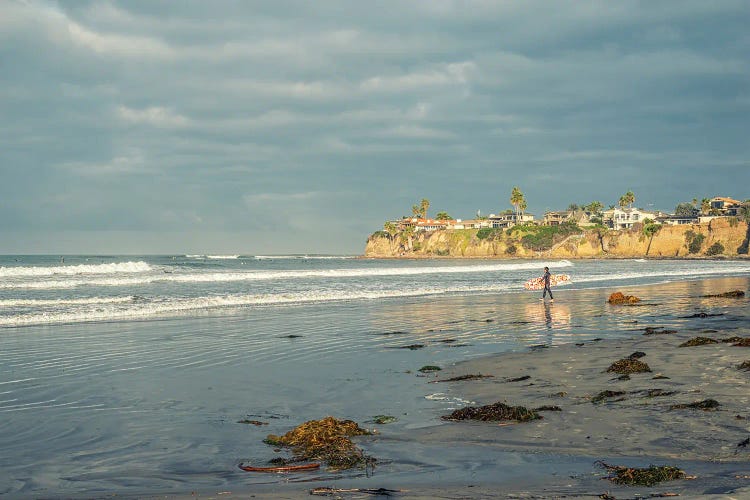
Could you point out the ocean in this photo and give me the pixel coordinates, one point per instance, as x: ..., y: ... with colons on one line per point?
x: 129, y: 374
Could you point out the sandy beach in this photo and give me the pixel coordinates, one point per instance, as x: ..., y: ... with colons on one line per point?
x: 638, y: 423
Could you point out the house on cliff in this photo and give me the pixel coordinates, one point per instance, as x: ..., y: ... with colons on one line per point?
x: 577, y: 216
x: 624, y: 218
x: 721, y: 205
x: 506, y: 220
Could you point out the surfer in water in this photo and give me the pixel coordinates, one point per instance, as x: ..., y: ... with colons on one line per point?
x: 547, y: 288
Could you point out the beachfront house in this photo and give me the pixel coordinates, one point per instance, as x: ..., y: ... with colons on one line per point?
x: 677, y: 220
x: 576, y: 216
x: 624, y: 218
x: 721, y: 205
x: 506, y: 220
x: 468, y: 224
x: 420, y: 224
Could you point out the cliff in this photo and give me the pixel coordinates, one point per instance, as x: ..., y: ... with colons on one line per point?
x: 669, y: 241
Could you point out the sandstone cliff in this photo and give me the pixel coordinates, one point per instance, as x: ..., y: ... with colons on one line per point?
x: 670, y: 241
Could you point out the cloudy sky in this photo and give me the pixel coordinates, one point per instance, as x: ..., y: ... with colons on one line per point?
x: 299, y: 126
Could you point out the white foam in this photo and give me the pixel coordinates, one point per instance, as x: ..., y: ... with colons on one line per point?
x: 219, y: 277
x: 115, y: 268
x: 222, y: 257
x: 59, y: 302
x: 146, y: 309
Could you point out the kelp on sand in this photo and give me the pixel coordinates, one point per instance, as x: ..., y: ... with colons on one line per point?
x: 326, y: 440
x: 648, y: 476
x: 494, y: 413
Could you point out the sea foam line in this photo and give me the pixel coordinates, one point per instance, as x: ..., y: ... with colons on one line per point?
x: 285, y: 275
x: 177, y: 306
x: 114, y: 268
x: 66, y: 301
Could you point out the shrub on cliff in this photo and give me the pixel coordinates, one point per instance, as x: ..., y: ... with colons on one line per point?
x: 544, y: 237
x: 694, y: 241
x: 715, y: 249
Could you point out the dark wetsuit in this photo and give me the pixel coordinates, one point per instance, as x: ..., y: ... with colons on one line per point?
x: 546, y: 277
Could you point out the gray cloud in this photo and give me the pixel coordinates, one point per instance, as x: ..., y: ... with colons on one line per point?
x: 300, y: 126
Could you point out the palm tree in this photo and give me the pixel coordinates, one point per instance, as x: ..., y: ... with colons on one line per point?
x: 423, y: 206
x: 516, y: 197
x: 522, y: 206
x: 630, y: 198
x: 416, y: 211
x: 594, y: 207
x: 705, y: 205
x: 622, y: 201
x: 443, y: 216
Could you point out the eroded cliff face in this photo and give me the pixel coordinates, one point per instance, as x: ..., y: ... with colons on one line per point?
x: 670, y: 241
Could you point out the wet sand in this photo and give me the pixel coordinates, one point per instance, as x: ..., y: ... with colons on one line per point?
x: 555, y: 456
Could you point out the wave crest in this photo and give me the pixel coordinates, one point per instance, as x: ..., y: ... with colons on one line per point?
x: 115, y: 268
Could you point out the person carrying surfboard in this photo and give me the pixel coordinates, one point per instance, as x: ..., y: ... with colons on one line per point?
x: 547, y: 288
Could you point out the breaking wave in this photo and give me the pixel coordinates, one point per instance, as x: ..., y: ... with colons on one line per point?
x: 118, y: 268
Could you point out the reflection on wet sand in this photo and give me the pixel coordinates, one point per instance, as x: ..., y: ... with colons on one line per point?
x: 550, y: 314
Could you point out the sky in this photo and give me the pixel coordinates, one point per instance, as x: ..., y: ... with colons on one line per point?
x: 269, y: 127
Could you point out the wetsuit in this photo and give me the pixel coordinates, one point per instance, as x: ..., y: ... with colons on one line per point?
x: 547, y: 276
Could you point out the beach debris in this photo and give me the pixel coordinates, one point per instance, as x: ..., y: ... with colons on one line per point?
x: 252, y: 422
x: 744, y: 443
x: 744, y: 366
x: 618, y: 298
x: 560, y: 394
x: 493, y: 413
x: 696, y: 341
x: 742, y: 343
x: 325, y: 440
x: 383, y: 419
x: 538, y: 346
x: 548, y: 408
x: 657, y: 330
x: 280, y: 468
x: 292, y: 336
x: 329, y: 492
x: 648, y: 476
x: 660, y: 377
x: 705, y: 405
x: 462, y: 378
x: 411, y: 347
x: 447, y: 341
x: 731, y: 340
x: 637, y: 355
x: 654, y: 393
x: 628, y: 365
x: 430, y: 368
x: 518, y: 379
x: 702, y: 315
x: 734, y: 294
x: 604, y: 395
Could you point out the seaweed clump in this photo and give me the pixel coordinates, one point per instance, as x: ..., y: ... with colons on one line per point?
x: 326, y: 440
x: 734, y: 294
x: 429, y: 368
x: 695, y: 341
x: 744, y: 366
x: 606, y: 395
x: 628, y: 365
x: 657, y: 330
x: 647, y: 476
x: 493, y: 413
x: 619, y: 298
x: 461, y: 378
x: 705, y: 405
x: 742, y: 343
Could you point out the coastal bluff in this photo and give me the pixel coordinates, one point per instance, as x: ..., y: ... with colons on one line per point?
x: 719, y: 237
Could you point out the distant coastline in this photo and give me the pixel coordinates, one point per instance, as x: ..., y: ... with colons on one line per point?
x: 715, y: 239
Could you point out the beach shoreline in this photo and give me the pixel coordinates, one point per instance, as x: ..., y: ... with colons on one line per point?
x: 635, y: 428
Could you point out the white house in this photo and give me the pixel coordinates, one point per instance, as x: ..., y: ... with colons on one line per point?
x: 624, y: 218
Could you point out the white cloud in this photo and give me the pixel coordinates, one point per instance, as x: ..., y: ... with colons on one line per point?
x: 156, y: 116
x: 442, y: 75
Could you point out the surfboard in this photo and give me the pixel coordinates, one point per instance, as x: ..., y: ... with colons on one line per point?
x: 554, y: 280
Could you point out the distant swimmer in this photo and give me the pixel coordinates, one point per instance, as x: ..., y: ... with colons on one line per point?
x: 62, y: 260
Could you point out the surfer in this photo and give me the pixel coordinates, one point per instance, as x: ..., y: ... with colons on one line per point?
x: 547, y: 288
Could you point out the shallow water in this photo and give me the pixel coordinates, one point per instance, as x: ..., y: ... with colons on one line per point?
x: 150, y: 403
